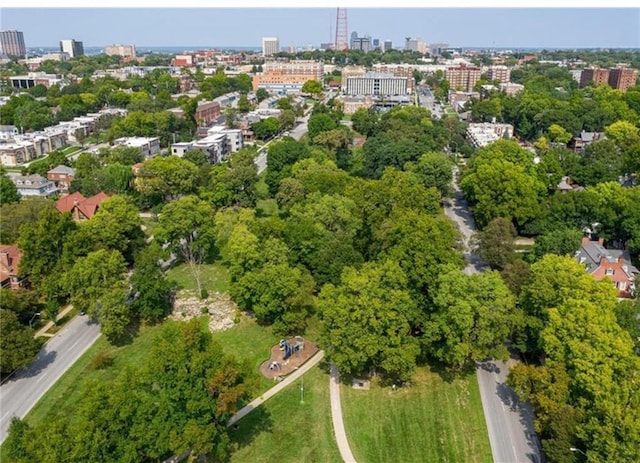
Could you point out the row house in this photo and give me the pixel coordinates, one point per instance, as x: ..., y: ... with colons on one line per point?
x: 148, y: 146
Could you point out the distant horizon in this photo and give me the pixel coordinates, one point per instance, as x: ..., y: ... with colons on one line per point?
x: 536, y: 28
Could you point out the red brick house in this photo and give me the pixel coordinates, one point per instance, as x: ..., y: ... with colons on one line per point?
x: 609, y: 263
x: 81, y: 208
x: 62, y: 176
x: 10, y: 257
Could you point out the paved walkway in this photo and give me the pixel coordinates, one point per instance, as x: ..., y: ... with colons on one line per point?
x: 313, y: 361
x: 43, y: 331
x: 336, y: 416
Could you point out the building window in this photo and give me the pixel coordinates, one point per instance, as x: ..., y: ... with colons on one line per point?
x: 609, y: 271
x: 622, y: 285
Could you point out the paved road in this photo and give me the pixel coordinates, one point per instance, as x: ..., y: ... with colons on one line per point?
x: 297, y: 132
x: 20, y: 393
x: 336, y: 416
x: 509, y: 421
x: 428, y: 100
x: 308, y: 365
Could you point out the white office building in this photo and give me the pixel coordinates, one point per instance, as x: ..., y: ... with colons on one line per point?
x: 270, y: 46
x: 377, y: 84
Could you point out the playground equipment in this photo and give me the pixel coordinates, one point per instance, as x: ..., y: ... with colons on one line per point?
x: 290, y: 349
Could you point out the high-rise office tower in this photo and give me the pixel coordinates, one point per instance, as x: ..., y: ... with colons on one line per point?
x: 73, y: 48
x: 12, y: 43
x: 270, y: 46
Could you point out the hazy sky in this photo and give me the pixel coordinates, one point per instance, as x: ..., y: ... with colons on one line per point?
x: 500, y: 27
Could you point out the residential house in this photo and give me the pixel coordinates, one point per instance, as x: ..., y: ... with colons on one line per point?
x: 81, y: 208
x: 10, y: 257
x: 566, y: 185
x: 62, y: 176
x: 584, y: 139
x: 614, y: 264
x: 34, y: 185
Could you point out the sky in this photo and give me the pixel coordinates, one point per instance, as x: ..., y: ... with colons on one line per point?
x: 300, y: 27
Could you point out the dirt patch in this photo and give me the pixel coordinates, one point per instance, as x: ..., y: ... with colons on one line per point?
x: 219, y: 306
x: 283, y: 367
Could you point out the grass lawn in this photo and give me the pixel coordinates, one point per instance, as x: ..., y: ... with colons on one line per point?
x: 65, y: 393
x: 71, y: 149
x: 214, y: 277
x: 284, y: 430
x: 431, y: 421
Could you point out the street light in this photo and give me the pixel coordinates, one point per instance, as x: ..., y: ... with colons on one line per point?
x: 575, y: 449
x: 37, y: 314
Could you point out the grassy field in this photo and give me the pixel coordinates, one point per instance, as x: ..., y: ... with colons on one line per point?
x: 214, y: 277
x: 284, y: 430
x: 433, y: 420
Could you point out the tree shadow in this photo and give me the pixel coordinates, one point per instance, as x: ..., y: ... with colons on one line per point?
x: 44, y: 359
x: 130, y: 333
x: 244, y: 432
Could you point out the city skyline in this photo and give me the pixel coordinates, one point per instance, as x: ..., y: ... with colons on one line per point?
x: 303, y: 27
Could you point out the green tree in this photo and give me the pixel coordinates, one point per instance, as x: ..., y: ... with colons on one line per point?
x: 187, y: 226
x: 562, y: 242
x: 496, y: 243
x: 435, y: 170
x: 267, y: 128
x: 14, y: 215
x: 261, y: 94
x: 319, y: 123
x: 97, y: 286
x: 473, y: 317
x: 364, y: 122
x: 278, y: 294
x: 42, y: 245
x: 17, y: 344
x: 365, y: 324
x: 151, y: 290
x: 312, y: 87
x: 281, y: 156
x: 8, y: 191
x: 244, y: 105
x: 166, y: 178
x: 234, y: 183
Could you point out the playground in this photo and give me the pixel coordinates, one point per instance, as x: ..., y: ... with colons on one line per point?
x: 287, y: 356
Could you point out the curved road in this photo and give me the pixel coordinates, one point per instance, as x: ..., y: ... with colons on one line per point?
x: 509, y: 421
x: 21, y: 392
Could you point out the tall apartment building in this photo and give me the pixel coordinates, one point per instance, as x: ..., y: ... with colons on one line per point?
x: 388, y: 45
x: 622, y: 78
x: 72, y: 48
x: 270, y: 46
x: 126, y: 51
x: 619, y: 78
x: 499, y: 73
x: 596, y: 75
x: 377, y: 84
x: 12, y: 43
x: 463, y: 77
x: 313, y: 69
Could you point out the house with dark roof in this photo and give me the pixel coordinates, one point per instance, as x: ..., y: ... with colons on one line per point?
x: 584, y: 139
x: 614, y: 264
x: 10, y: 257
x: 81, y: 208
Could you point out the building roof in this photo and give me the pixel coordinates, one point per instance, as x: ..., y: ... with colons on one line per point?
x: 87, y: 206
x: 34, y: 181
x: 62, y: 169
x: 591, y: 254
x: 14, y: 255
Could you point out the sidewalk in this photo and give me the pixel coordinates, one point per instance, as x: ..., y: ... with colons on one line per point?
x: 336, y: 415
x: 313, y: 361
x: 43, y: 331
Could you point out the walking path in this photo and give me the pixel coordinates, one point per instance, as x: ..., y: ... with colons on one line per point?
x: 313, y: 361
x: 336, y: 415
x: 43, y: 331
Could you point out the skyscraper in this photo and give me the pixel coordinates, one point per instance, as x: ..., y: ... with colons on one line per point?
x: 388, y: 45
x: 12, y: 43
x: 73, y: 48
x: 270, y: 46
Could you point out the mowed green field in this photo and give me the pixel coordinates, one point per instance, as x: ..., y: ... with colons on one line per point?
x: 214, y: 277
x: 283, y: 430
x: 432, y: 420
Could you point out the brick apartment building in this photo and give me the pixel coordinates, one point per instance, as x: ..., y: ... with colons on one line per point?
x: 463, y: 77
x: 619, y: 78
